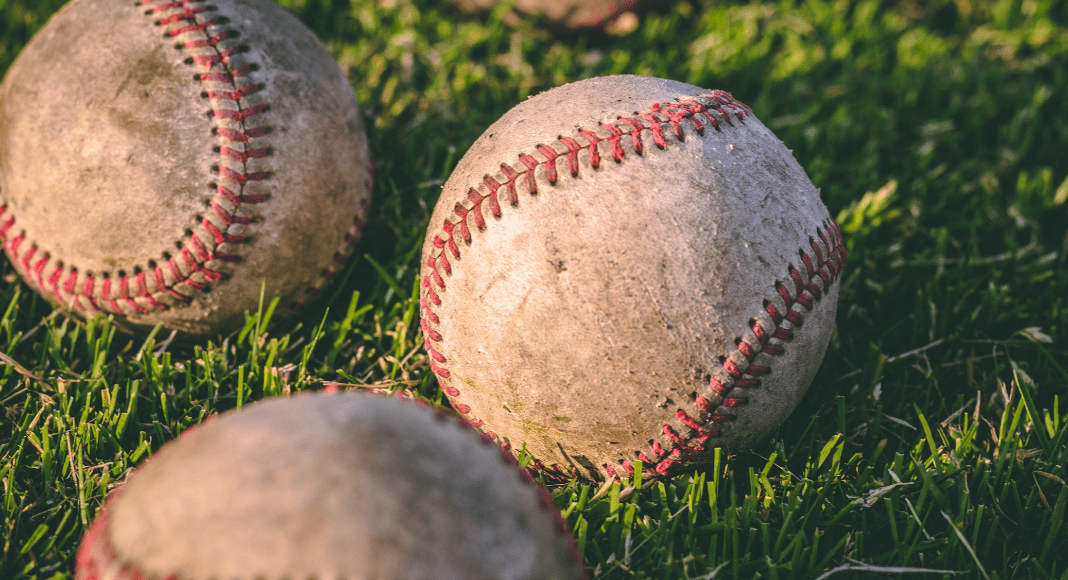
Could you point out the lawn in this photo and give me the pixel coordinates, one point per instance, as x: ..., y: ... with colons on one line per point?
x: 935, y: 436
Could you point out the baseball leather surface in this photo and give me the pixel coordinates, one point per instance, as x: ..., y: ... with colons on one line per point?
x: 628, y: 268
x: 570, y: 13
x: 160, y: 160
x: 330, y: 487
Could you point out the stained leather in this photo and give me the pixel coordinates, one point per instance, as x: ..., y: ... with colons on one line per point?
x: 330, y: 487
x: 588, y: 321
x: 114, y: 147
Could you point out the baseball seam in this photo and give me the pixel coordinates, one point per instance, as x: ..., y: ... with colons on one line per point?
x: 744, y: 374
x: 179, y: 275
x: 156, y: 285
x: 716, y: 109
x: 545, y: 501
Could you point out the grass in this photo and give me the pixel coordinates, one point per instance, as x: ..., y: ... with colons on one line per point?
x: 935, y: 436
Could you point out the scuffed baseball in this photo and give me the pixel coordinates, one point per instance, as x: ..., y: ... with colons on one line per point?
x: 628, y: 269
x: 160, y: 161
x: 331, y: 487
x: 569, y: 13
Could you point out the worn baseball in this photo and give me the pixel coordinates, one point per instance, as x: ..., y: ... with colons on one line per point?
x: 161, y: 161
x: 569, y: 13
x: 628, y: 268
x: 330, y: 487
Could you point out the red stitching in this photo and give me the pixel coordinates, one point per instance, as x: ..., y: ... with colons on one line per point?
x: 185, y: 14
x: 717, y: 107
x: 636, y: 134
x: 476, y: 199
x: 25, y: 261
x: 657, y: 130
x: 550, y: 164
x: 53, y: 281
x: 594, y: 155
x: 202, y: 43
x: 105, y: 290
x: 749, y: 376
x: 68, y: 285
x: 39, y: 268
x: 532, y: 164
x: 495, y: 207
x: 675, y: 112
x: 615, y: 140
x: 573, y: 148
x: 7, y: 223
x: 180, y: 18
x: 242, y: 115
x: 511, y: 175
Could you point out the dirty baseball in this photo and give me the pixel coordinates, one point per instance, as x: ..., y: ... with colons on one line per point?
x: 161, y: 161
x: 354, y: 486
x: 569, y: 13
x: 628, y: 269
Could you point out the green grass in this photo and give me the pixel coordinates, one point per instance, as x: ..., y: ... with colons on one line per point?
x: 936, y: 433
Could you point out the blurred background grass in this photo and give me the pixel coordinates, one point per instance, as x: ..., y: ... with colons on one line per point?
x: 934, y: 435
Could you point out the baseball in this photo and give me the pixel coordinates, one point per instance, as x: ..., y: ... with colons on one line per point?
x: 352, y: 486
x: 628, y: 268
x: 160, y: 161
x: 569, y: 13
